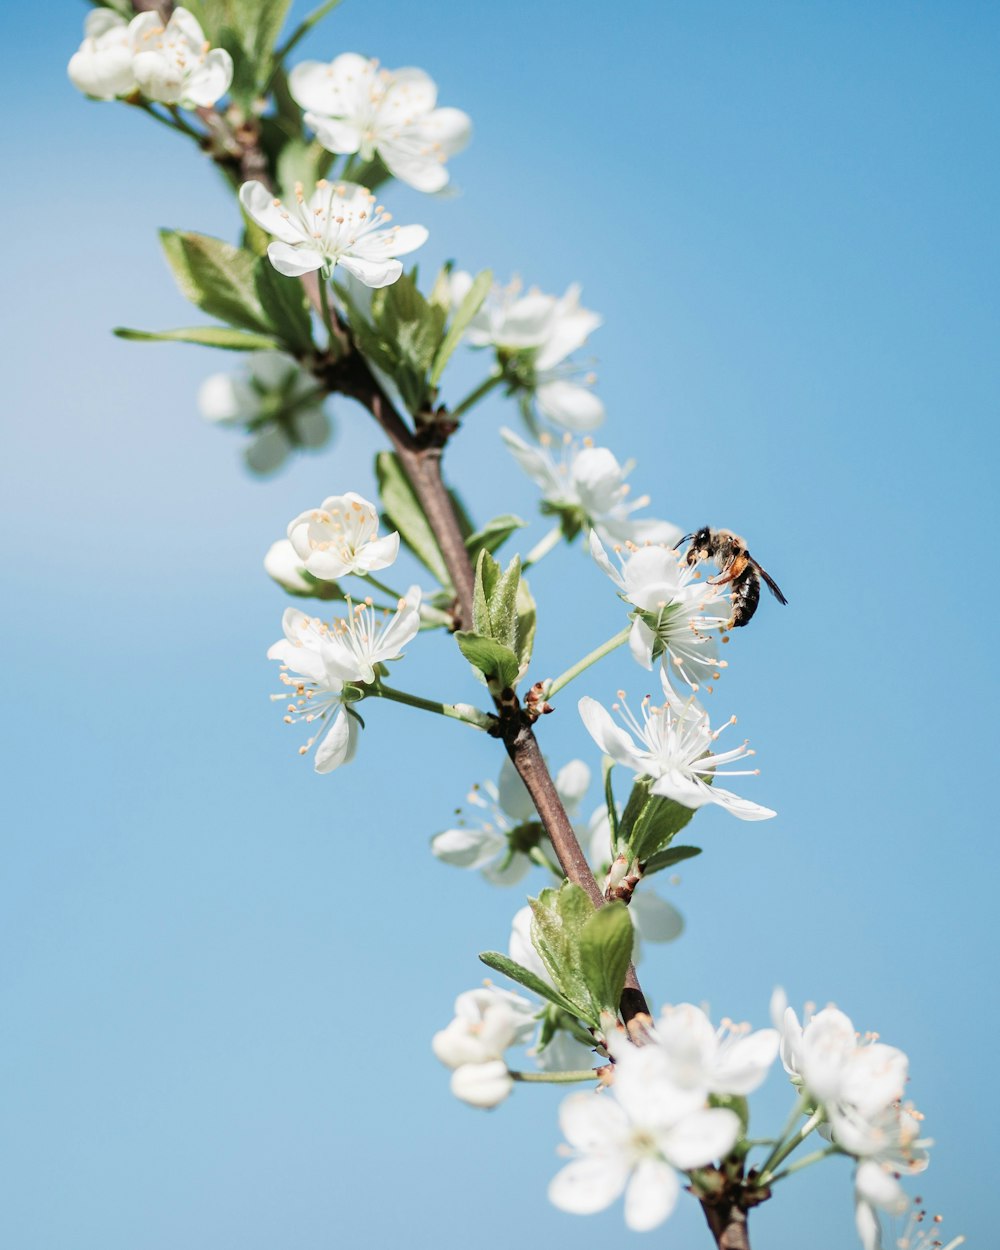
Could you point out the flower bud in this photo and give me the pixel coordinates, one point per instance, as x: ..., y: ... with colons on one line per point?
x: 482, y: 1084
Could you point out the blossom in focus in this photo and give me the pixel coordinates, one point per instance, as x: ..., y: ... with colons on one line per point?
x: 486, y: 1024
x: 677, y: 615
x: 672, y: 745
x: 275, y: 401
x: 341, y: 537
x: 357, y: 644
x: 533, y: 335
x: 339, y: 224
x: 102, y: 66
x: 354, y: 106
x: 174, y: 64
x: 631, y: 1141
x: 499, y: 845
x: 653, y: 918
x: 586, y: 486
x: 315, y: 690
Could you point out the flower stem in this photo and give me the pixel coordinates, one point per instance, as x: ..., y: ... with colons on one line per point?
x: 476, y: 395
x: 542, y: 547
x: 555, y: 1078
x: 781, y: 1153
x: 582, y: 665
x: 324, y: 300
x: 804, y: 1162
x: 388, y: 590
x: 454, y: 711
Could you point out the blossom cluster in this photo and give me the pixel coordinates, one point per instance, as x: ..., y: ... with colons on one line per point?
x: 167, y: 62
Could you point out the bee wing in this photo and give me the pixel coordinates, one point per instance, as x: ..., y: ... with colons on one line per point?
x: 772, y: 585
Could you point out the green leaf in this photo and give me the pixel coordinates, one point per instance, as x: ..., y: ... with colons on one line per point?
x: 286, y: 307
x: 607, y: 766
x: 459, y: 323
x: 494, y: 606
x: 217, y: 277
x: 650, y: 823
x: 667, y: 859
x: 493, y: 534
x: 204, y: 336
x: 527, y: 978
x: 403, y: 513
x: 414, y: 328
x: 527, y: 615
x: 606, y: 952
x: 558, y: 918
x: 497, y: 663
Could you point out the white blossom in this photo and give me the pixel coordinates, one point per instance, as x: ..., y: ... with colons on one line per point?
x: 886, y: 1147
x: 677, y: 615
x: 837, y: 1065
x: 499, y: 845
x: 653, y: 918
x: 534, y: 335
x: 339, y: 224
x: 315, y: 690
x: 487, y: 1023
x: 672, y: 745
x: 727, y: 1060
x: 102, y: 66
x: 355, y: 106
x: 587, y: 486
x: 357, y: 644
x: 341, y: 537
x: 275, y: 400
x: 174, y: 64
x: 631, y: 1141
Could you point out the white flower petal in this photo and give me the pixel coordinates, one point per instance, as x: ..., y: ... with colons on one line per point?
x: 570, y: 405
x: 482, y: 1084
x: 588, y: 1185
x: 339, y: 745
x: 700, y: 1138
x: 651, y: 1195
x: 373, y: 273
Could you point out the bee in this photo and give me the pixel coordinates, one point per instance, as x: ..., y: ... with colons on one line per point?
x: 737, y: 568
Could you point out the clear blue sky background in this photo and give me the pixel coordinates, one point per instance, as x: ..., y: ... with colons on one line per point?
x: 220, y: 972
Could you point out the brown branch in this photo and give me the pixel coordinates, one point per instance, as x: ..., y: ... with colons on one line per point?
x: 729, y: 1226
x: 420, y: 457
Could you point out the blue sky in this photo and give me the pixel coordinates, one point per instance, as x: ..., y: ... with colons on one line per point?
x: 221, y: 972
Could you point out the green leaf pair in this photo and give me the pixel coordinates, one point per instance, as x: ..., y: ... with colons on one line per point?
x: 261, y: 308
x: 586, y: 952
x: 650, y: 823
x: 503, y: 617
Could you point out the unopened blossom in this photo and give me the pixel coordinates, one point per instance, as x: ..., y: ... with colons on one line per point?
x: 338, y: 224
x: 275, y: 401
x: 586, y: 486
x: 355, y: 106
x: 315, y: 690
x: 341, y: 537
x: 367, y: 637
x: 677, y: 616
x: 499, y: 845
x: 102, y: 66
x: 653, y: 918
x: 727, y: 1060
x: 534, y: 334
x: 174, y: 63
x: 487, y: 1023
x: 673, y: 745
x: 631, y: 1139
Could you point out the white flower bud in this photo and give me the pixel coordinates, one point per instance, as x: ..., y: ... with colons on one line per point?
x: 284, y: 566
x: 482, y: 1084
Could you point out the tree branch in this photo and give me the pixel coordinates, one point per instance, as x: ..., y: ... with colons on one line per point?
x: 420, y: 457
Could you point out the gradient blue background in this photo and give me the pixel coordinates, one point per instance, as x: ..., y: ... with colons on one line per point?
x: 221, y: 972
